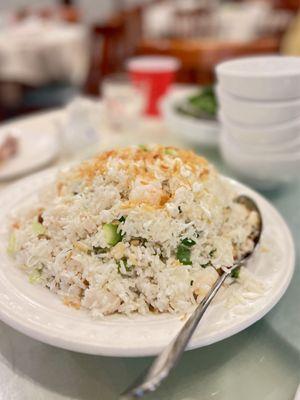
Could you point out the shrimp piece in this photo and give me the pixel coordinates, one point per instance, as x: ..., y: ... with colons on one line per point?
x: 151, y: 193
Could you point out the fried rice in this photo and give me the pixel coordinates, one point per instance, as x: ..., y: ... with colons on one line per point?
x: 134, y: 230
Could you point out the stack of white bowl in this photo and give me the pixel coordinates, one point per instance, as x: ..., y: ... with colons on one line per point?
x: 259, y: 99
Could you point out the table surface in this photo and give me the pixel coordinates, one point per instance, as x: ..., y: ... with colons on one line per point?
x: 262, y: 362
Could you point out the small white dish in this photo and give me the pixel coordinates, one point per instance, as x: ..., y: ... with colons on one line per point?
x: 287, y: 148
x: 262, y: 170
x: 260, y: 134
x: 261, y: 78
x: 254, y: 113
x: 37, y: 312
x: 36, y: 150
x: 187, y: 128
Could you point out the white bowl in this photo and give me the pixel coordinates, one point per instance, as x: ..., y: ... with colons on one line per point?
x: 288, y: 147
x: 257, y: 112
x: 189, y: 129
x: 261, y: 134
x: 261, y: 78
x: 264, y: 171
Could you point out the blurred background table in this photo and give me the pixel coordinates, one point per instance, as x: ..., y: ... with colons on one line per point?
x: 200, y: 33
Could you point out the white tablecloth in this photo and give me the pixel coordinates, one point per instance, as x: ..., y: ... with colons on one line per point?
x: 37, y: 52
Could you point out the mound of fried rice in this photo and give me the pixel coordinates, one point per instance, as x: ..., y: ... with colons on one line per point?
x: 134, y: 230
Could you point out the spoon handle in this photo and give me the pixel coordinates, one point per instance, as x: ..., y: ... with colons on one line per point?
x: 167, y: 360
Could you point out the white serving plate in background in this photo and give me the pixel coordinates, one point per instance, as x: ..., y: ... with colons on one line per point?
x: 36, y: 150
x: 38, y: 313
x: 187, y: 128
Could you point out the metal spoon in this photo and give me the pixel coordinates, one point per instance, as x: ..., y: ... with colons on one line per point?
x: 170, y: 356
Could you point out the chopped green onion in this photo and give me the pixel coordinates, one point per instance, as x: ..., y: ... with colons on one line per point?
x: 11, y: 248
x: 122, y: 219
x: 171, y: 152
x: 111, y: 234
x: 188, y: 242
x: 183, y: 254
x: 35, y: 276
x: 143, y: 147
x: 38, y: 228
x: 235, y: 273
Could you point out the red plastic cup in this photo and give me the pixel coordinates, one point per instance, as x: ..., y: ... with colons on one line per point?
x: 154, y: 74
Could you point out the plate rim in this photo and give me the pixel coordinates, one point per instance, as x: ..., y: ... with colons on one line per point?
x: 68, y: 343
x: 49, y: 157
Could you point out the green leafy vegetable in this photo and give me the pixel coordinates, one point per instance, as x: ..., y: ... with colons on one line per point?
x: 235, y: 273
x: 201, y: 105
x: 183, y: 254
x: 188, y: 242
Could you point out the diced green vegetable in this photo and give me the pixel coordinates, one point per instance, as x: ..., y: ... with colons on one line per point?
x: 235, y: 273
x: 188, y: 242
x: 35, y: 276
x: 171, y: 152
x: 143, y: 147
x: 111, y: 234
x: 38, y: 228
x: 11, y: 248
x: 183, y: 254
x: 122, y: 219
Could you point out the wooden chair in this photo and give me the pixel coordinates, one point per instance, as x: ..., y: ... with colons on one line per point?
x: 113, y: 43
x: 106, y: 53
x: 199, y: 57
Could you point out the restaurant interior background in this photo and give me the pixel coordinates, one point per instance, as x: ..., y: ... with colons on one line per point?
x: 199, y: 33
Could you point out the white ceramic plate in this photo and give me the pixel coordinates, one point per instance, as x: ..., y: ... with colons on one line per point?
x: 193, y: 130
x: 38, y: 313
x: 36, y: 150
